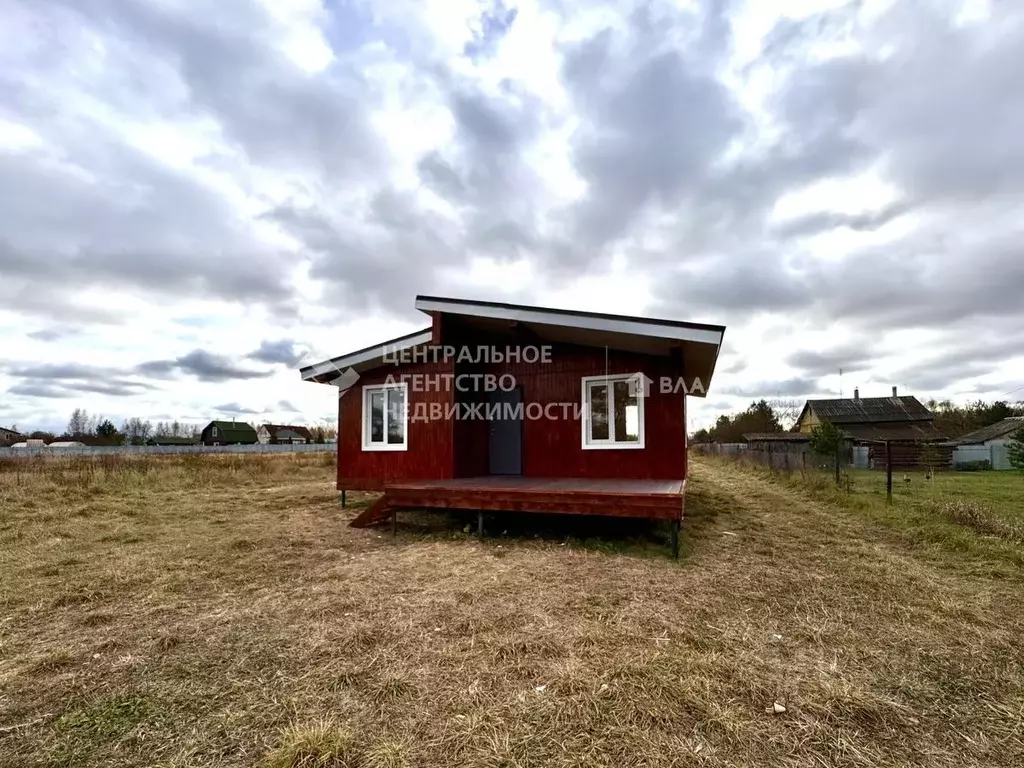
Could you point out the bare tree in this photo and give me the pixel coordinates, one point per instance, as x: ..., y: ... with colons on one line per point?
x: 787, y: 409
x: 78, y: 424
x: 136, y: 431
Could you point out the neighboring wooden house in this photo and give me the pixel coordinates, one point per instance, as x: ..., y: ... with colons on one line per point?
x: 505, y: 407
x: 228, y: 433
x: 9, y: 437
x: 901, y: 420
x: 282, y: 434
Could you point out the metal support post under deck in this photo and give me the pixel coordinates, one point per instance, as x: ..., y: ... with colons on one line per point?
x: 342, y: 499
x: 480, y: 523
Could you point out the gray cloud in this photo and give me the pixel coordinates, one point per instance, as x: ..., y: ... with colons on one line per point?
x: 90, y: 210
x: 50, y: 334
x: 783, y: 388
x: 64, y: 380
x: 954, y: 360
x: 235, y: 408
x: 203, y: 365
x: 40, y: 389
x: 948, y: 152
x: 281, y: 352
x: 822, y: 362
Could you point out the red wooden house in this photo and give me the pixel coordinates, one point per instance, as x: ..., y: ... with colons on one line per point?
x: 513, y: 408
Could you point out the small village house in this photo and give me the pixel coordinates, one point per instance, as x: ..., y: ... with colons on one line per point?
x: 504, y: 407
x: 228, y: 433
x: 9, y: 437
x: 282, y: 434
x: 871, y: 422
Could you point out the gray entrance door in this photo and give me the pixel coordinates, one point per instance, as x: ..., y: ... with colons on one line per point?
x: 505, y: 440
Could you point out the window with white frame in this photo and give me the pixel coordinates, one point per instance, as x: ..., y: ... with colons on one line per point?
x: 613, y: 411
x: 385, y: 418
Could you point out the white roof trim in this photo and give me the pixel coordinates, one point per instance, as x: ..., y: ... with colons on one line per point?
x: 340, y: 364
x: 625, y: 325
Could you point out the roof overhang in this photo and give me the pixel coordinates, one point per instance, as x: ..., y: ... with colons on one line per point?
x: 699, y: 343
x: 328, y: 371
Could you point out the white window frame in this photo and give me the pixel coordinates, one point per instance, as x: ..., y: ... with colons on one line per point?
x: 590, y: 444
x: 368, y: 390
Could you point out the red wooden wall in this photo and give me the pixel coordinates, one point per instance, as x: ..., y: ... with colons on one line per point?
x: 551, y: 448
x: 429, y: 455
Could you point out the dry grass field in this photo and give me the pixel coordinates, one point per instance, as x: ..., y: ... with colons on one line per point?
x: 217, y: 611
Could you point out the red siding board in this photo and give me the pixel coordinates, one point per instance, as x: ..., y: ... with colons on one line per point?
x: 429, y: 455
x: 551, y: 447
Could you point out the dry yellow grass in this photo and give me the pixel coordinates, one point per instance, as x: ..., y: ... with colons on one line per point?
x: 219, y: 612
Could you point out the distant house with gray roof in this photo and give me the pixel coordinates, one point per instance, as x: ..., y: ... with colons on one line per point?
x: 283, y: 434
x: 901, y: 420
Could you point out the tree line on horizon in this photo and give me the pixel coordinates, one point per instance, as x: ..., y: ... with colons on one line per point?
x: 94, y: 429
x: 951, y: 419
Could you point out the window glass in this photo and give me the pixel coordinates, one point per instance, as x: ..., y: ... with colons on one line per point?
x: 598, y: 412
x: 626, y: 413
x: 377, y: 417
x: 396, y: 416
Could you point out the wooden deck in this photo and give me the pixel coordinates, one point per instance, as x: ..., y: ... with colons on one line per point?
x: 651, y: 499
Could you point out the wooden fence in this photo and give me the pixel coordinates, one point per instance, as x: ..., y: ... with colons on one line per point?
x: 784, y: 457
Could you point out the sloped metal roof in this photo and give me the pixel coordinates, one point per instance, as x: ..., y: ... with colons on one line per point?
x: 995, y: 431
x: 870, y: 410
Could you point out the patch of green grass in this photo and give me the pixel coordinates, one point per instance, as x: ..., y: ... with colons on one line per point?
x: 84, y: 730
x: 919, y: 511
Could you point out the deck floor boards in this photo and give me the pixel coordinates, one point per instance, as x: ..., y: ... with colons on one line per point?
x: 656, y: 499
x: 547, y: 485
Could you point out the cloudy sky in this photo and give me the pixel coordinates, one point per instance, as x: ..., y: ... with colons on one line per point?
x: 196, y: 195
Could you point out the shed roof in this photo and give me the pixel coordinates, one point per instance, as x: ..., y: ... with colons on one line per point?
x: 869, y: 410
x: 700, y: 343
x: 235, y: 430
x: 1000, y: 429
